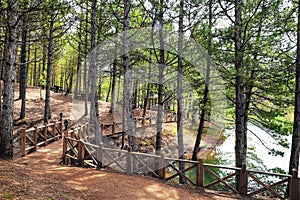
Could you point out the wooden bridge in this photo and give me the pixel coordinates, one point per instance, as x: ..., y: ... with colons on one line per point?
x: 77, y: 151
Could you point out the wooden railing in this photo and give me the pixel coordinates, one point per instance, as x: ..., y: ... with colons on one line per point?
x: 79, y: 152
x: 75, y: 149
x: 41, y: 135
x: 139, y: 122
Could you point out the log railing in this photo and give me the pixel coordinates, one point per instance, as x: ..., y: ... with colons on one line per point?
x: 41, y: 135
x: 77, y: 151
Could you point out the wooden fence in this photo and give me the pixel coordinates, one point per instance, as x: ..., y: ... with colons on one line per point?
x: 76, y: 151
x: 110, y: 128
x: 40, y: 135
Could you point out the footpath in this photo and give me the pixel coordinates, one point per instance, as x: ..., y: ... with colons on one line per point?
x: 40, y: 176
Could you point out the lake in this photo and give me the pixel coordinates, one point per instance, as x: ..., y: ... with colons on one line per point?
x: 258, y: 154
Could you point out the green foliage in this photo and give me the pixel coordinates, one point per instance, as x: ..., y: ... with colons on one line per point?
x: 268, y: 34
x: 7, y: 196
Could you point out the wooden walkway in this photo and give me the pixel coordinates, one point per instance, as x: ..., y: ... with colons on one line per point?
x: 75, y: 150
x: 102, y: 184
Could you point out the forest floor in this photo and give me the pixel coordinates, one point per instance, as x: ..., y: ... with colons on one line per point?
x: 40, y: 176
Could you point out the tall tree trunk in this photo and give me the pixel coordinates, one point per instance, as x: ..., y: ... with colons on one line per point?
x: 179, y: 93
x: 85, y: 86
x: 146, y: 99
x: 206, y: 90
x: 119, y: 85
x: 1, y: 74
x: 113, y: 85
x: 130, y: 126
x: 9, y: 74
x: 28, y: 64
x: 47, y: 113
x: 109, y: 88
x: 85, y: 78
x: 2, y: 71
x: 71, y: 79
x: 23, y: 69
x: 93, y: 74
x: 160, y: 81
x: 29, y: 69
x: 135, y: 94
x: 295, y: 148
x: 44, y: 60
x: 79, y: 59
x: 34, y: 67
x: 78, y: 72
x: 240, y: 128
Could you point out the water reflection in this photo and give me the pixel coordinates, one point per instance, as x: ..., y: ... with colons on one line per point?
x: 259, y: 156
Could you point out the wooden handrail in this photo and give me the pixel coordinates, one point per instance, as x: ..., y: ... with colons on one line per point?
x: 129, y: 158
x: 270, y: 173
x: 30, y: 137
x: 221, y: 166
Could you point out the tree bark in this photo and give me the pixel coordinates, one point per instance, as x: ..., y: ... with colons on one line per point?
x: 85, y: 74
x: 240, y: 128
x: 47, y: 114
x: 160, y: 81
x: 179, y: 94
x: 130, y: 126
x: 9, y: 74
x: 135, y: 94
x: 23, y: 69
x: 295, y: 147
x: 109, y: 88
x: 146, y: 98
x: 93, y: 76
x: 113, y: 86
x: 34, y: 68
x: 44, y: 60
x: 206, y: 90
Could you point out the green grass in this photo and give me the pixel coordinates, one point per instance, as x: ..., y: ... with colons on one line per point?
x: 7, y: 196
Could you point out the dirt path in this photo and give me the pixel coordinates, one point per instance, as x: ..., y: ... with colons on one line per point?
x: 40, y: 176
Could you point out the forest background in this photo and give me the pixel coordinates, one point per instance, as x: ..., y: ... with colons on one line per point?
x: 254, y: 44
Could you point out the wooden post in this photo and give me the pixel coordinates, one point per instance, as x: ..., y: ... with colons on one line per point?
x: 80, y: 153
x: 54, y: 131
x: 114, y: 127
x: 72, y: 133
x: 65, y: 134
x: 45, y: 134
x: 23, y: 141
x: 100, y: 156
x: 61, y: 124
x: 35, y: 136
x: 129, y: 162
x: 162, y: 166
x: 243, y: 187
x: 200, y: 173
x: 61, y: 128
x: 294, y: 187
